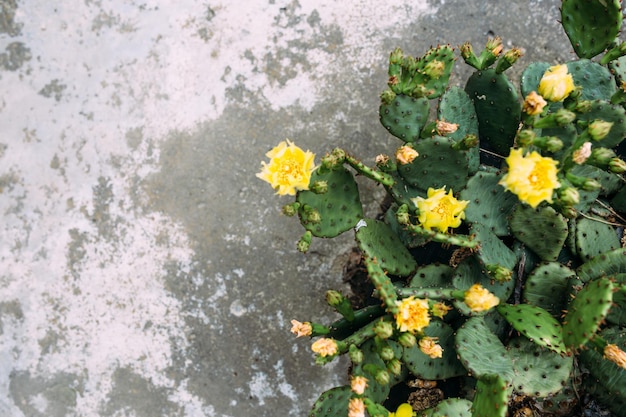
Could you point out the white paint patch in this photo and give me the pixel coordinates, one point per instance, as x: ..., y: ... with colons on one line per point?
x: 82, y: 122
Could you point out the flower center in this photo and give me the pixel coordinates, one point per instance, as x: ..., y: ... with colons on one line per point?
x: 538, y: 178
x: 290, y: 172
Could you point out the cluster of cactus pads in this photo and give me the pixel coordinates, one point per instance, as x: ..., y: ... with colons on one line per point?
x: 558, y: 269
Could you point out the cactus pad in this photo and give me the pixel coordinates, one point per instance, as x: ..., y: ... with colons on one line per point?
x: 457, y: 407
x: 405, y: 116
x: 332, y: 403
x: 422, y: 366
x: 538, y: 372
x: 536, y: 324
x: 377, y: 240
x: 339, y: 208
x: 497, y: 107
x: 606, y: 264
x: 491, y: 398
x: 587, y: 312
x: 594, y: 237
x: 543, y: 230
x: 481, y: 352
x: 591, y: 26
x: 490, y: 204
x: 432, y: 276
x: 548, y: 287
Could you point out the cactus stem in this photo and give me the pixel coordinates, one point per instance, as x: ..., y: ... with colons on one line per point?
x: 457, y: 240
x: 380, y: 177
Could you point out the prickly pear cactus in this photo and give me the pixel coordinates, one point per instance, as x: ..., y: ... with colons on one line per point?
x: 498, y: 262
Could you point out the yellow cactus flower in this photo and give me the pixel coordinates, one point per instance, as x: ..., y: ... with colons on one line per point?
x: 358, y: 384
x: 412, y: 314
x: 480, y: 299
x: 615, y: 355
x: 403, y: 410
x: 440, y: 210
x: 289, y: 168
x: 532, y: 177
x: 356, y: 408
x: 533, y: 104
x: 429, y: 346
x: 556, y: 84
x: 325, y: 347
x: 301, y: 329
x: 406, y: 155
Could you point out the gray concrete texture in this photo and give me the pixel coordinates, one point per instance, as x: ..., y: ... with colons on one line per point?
x: 144, y: 270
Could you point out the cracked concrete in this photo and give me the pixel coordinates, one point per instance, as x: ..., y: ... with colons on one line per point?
x: 145, y: 271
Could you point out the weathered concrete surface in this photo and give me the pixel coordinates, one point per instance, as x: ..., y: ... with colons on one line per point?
x: 144, y: 270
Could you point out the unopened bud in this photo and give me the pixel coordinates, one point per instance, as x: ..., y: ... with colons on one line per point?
x: 509, y: 58
x: 394, y: 366
x: 525, y: 137
x: 383, y: 329
x: 569, y: 196
x: 388, y: 96
x: 356, y: 355
x: 382, y: 377
x: 305, y: 241
x: 320, y: 187
x: 494, y: 45
x: 617, y: 165
x: 407, y: 339
x: 583, y: 106
x: 333, y: 159
x: 602, y: 156
x: 386, y: 353
x: 435, y: 69
x: 291, y: 209
x: 310, y: 214
x: 549, y: 143
x: 334, y: 298
x: 598, y: 129
x: 499, y: 272
x: 564, y: 117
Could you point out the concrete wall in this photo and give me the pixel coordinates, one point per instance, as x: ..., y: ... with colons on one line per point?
x: 144, y: 270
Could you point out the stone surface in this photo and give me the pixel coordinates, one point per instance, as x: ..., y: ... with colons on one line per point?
x: 144, y: 270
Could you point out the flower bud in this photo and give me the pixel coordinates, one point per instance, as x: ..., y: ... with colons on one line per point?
x: 549, y: 143
x: 382, y: 377
x: 310, y: 214
x: 583, y: 106
x: 564, y: 117
x: 598, y: 129
x: 509, y: 58
x: 407, y: 339
x: 291, y: 209
x: 494, y: 45
x: 383, y: 329
x: 569, y: 196
x: 386, y: 353
x: 617, y: 165
x: 388, y: 96
x: 499, y: 272
x: 435, y: 69
x: 394, y: 366
x: 305, y: 241
x: 320, y: 187
x: 334, y: 298
x: 601, y: 156
x: 333, y: 159
x: 356, y: 355
x: 525, y: 137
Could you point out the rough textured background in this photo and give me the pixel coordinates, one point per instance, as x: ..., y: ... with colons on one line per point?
x: 144, y: 270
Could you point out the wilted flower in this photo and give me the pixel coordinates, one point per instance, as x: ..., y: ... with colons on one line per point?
x: 480, y: 299
x: 405, y: 155
x: 556, y: 84
x: 356, y: 408
x: 440, y: 310
x: 289, y: 168
x: 583, y: 153
x: 429, y: 346
x: 301, y: 329
x: 358, y: 384
x: 325, y: 347
x: 533, y: 104
x: 412, y: 314
x: 440, y: 210
x: 615, y: 355
x: 532, y: 177
x: 445, y: 128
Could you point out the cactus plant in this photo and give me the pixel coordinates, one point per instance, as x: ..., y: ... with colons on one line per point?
x: 504, y: 273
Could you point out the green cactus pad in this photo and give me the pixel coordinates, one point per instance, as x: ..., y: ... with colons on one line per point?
x: 548, y: 286
x: 594, y: 237
x: 437, y: 165
x: 422, y: 366
x: 497, y: 107
x: 490, y: 204
x: 596, y: 80
x: 543, y: 230
x: 491, y: 399
x: 431, y: 86
x: 456, y: 106
x: 591, y: 26
x: 603, y: 110
x: 377, y: 240
x: 608, y: 382
x: 617, y: 314
x: 481, y: 352
x: 587, y: 312
x: 492, y: 251
x: 538, y: 372
x: 375, y: 391
x: 618, y: 202
x: 332, y: 403
x: 457, y: 407
x: 471, y: 271
x: 607, y: 264
x: 536, y: 324
x: 432, y: 276
x: 405, y: 116
x: 339, y: 208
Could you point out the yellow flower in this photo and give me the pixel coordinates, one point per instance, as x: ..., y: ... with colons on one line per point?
x: 429, y: 346
x: 403, y: 410
x: 301, y: 329
x: 440, y: 210
x: 412, y: 314
x: 356, y: 408
x: 325, y: 347
x: 533, y: 104
x: 532, y: 177
x: 615, y: 355
x: 406, y: 155
x: 556, y: 83
x: 358, y: 384
x: 289, y: 168
x: 480, y: 299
